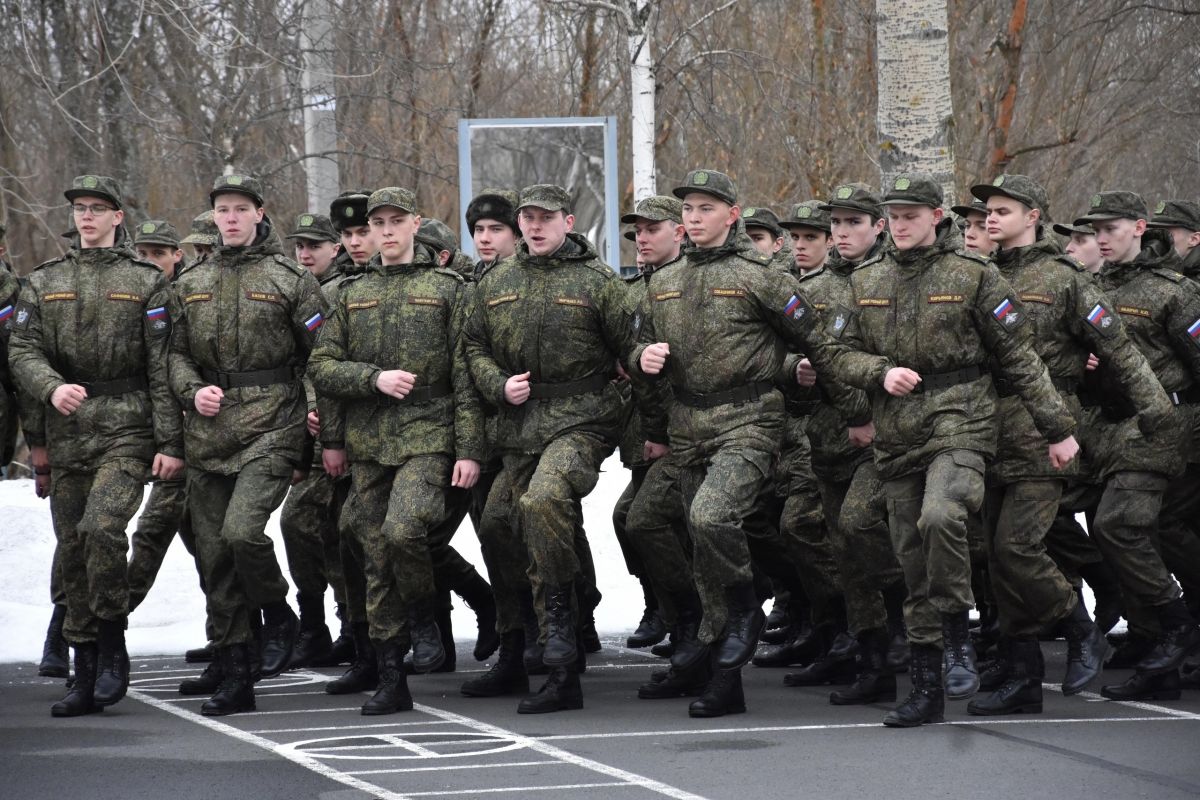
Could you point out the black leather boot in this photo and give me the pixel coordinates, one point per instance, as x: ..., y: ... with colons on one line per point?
x: 1086, y: 649
x: 1021, y: 692
x: 926, y: 703
x: 1142, y: 686
x: 686, y: 649
x: 994, y: 673
x: 873, y: 681
x: 477, y: 594
x: 363, y: 674
x: 341, y: 649
x: 898, y: 654
x: 678, y: 683
x: 723, y: 695
x: 206, y: 684
x: 561, y: 649
x: 962, y: 676
x: 831, y: 668
x: 313, y: 642
x: 560, y: 692
x: 651, y: 629
x: 805, y: 646
x: 777, y: 628
x: 200, y: 655
x: 79, y: 699
x: 446, y: 631
x: 427, y: 650
x: 56, y: 655
x: 279, y: 630
x: 392, y: 695
x: 112, y: 670
x: 236, y: 692
x: 736, y: 644
x: 507, y: 675
x: 1179, y: 639
x: 533, y: 646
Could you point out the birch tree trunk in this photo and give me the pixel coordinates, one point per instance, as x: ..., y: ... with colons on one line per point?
x: 642, y: 92
x: 914, y: 112
x: 320, y: 109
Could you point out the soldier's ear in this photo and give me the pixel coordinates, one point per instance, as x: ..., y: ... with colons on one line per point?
x: 570, y: 219
x: 1139, y: 227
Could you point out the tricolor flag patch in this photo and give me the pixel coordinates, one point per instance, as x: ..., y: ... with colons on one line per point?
x: 156, y: 313
x: 314, y: 322
x: 1100, y: 319
x: 157, y: 322
x: 1006, y: 314
x: 792, y: 307
x: 6, y: 313
x: 1193, y: 332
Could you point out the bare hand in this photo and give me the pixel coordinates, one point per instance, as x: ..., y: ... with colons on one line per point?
x: 1092, y: 362
x: 516, y: 389
x: 654, y: 450
x: 396, y: 383
x: 900, y: 381
x: 1061, y: 453
x: 466, y: 473
x: 42, y: 484
x: 654, y: 358
x: 334, y: 462
x: 805, y: 374
x: 208, y: 401
x: 166, y: 468
x: 313, y: 421
x: 862, y: 435
x: 68, y: 398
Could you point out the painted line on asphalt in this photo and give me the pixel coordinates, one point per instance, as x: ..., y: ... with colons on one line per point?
x: 559, y: 787
x: 1171, y: 712
x: 457, y: 767
x: 349, y: 727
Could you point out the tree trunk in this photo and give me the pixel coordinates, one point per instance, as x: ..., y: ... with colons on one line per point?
x: 642, y: 92
x: 320, y: 105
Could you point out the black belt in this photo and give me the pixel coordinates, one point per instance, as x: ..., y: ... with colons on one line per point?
x: 739, y: 394
x: 554, y: 391
x: 134, y: 383
x: 1064, y: 386
x: 254, y: 377
x: 423, y: 394
x: 800, y: 408
x: 934, y: 381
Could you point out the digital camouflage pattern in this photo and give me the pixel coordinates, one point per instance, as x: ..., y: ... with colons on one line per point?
x: 203, y: 231
x: 314, y: 227
x: 157, y: 232
x: 1176, y: 214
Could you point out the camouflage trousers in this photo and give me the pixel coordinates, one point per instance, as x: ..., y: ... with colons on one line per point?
x: 229, y: 517
x: 806, y: 566
x: 450, y: 569
x: 1125, y: 531
x: 928, y: 516
x: 1067, y: 542
x: 503, y: 550
x: 1031, y: 593
x: 308, y: 523
x: 620, y: 521
x: 350, y: 550
x: 397, y: 507
x: 657, y: 531
x: 856, y: 516
x: 91, y: 511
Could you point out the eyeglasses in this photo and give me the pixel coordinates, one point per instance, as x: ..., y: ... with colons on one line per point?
x: 97, y: 209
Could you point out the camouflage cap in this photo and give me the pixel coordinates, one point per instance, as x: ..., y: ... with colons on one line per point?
x: 1021, y: 188
x: 497, y: 204
x: 656, y: 208
x: 855, y: 197
x: 809, y: 214
x: 238, y: 183
x: 1169, y: 214
x: 913, y: 189
x: 975, y: 207
x: 95, y: 186
x: 349, y: 209
x: 203, y: 231
x: 393, y: 197
x: 546, y: 196
x: 315, y: 227
x: 437, y: 235
x: 157, y: 231
x: 1114, y: 205
x: 762, y: 217
x: 708, y: 181
x: 1069, y: 230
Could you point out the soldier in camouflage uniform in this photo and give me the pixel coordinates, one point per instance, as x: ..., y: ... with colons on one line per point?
x: 90, y: 339
x: 1081, y: 245
x: 391, y: 353
x: 972, y: 219
x: 202, y: 235
x: 247, y: 317
x: 925, y: 320
x: 1066, y: 315
x: 543, y: 338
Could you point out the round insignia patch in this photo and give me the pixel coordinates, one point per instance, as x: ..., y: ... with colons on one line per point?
x: 999, y: 181
x: 347, y: 212
x: 844, y: 192
x: 902, y: 183
x: 306, y: 220
x: 1160, y: 208
x: 90, y: 182
x: 234, y: 180
x: 804, y: 212
x: 1096, y: 201
x: 700, y: 178
x: 750, y: 212
x: 147, y: 227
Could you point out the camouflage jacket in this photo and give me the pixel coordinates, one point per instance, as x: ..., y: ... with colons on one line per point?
x: 1067, y: 317
x: 91, y: 317
x: 649, y: 402
x: 409, y: 317
x: 937, y: 312
x: 245, y: 309
x: 10, y: 289
x: 563, y: 318
x: 332, y: 428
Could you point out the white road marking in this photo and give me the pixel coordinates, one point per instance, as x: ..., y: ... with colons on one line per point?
x: 457, y: 767
x: 350, y: 727
x: 507, y: 789
x: 1172, y: 712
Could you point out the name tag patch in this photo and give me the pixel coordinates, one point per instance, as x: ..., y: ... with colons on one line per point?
x: 874, y: 302
x: 578, y: 302
x: 1037, y: 297
x: 672, y: 295
x: 126, y: 296
x: 425, y: 301
x: 52, y: 297
x: 263, y: 297
x: 945, y: 298
x: 197, y: 297
x: 504, y: 298
x: 728, y: 292
x: 1133, y: 311
x: 359, y: 305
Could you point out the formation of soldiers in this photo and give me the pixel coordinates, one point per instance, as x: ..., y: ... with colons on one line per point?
x: 878, y: 415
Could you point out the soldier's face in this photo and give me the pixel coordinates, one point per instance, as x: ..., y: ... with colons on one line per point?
x: 96, y: 230
x: 1011, y: 223
x: 854, y: 232
x: 809, y: 247
x: 707, y: 220
x: 494, y: 240
x: 1084, y: 248
x: 1120, y: 240
x: 764, y: 241
x: 657, y: 241
x: 913, y: 226
x: 315, y: 256
x: 359, y: 242
x: 1184, y: 240
x: 544, y: 231
x: 163, y: 257
x: 975, y: 235
x: 394, y: 230
x: 237, y: 218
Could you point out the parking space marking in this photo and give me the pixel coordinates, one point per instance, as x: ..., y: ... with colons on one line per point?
x: 506, y: 789
x: 441, y: 767
x: 348, y: 727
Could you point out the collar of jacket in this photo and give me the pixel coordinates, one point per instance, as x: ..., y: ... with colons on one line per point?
x: 265, y: 243
x: 1016, y: 256
x: 575, y: 247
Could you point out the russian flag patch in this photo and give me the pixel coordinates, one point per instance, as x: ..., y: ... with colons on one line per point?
x: 156, y: 313
x: 1100, y: 319
x: 314, y: 322
x: 6, y: 313
x: 1006, y: 314
x: 1193, y: 331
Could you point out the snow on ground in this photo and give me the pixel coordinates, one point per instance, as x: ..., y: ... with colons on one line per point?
x: 171, y: 619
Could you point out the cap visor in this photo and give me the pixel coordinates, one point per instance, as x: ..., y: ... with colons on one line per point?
x: 73, y: 194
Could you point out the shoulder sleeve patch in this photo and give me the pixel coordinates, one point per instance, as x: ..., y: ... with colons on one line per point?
x: 158, y: 322
x: 1008, y: 315
x: 839, y: 320
x: 798, y: 308
x: 1102, y: 319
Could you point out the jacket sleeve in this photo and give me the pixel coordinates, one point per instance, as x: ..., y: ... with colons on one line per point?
x: 308, y: 315
x: 184, y: 371
x: 167, y: 414
x: 27, y: 359
x: 468, y: 406
x: 333, y: 374
x: 488, y: 376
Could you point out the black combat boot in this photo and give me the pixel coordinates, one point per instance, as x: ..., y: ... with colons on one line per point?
x: 665, y: 649
x: 777, y: 628
x: 341, y: 649
x: 427, y: 651
x: 1021, y: 692
x: 1179, y: 639
x: 200, y: 655
x: 962, y: 677
x: 994, y: 673
x: 206, y: 683
x: 893, y: 603
x: 805, y: 646
x: 674, y: 683
x: 686, y: 649
x: 507, y: 675
x: 1086, y: 649
x: 477, y: 594
x: 313, y: 643
x: 393, y: 694
x: 363, y: 674
x: 651, y: 630
x: 532, y: 655
x: 1127, y: 652
x: 446, y: 631
x: 873, y: 681
x: 1189, y: 676
x: 56, y: 655
x: 735, y: 646
x: 79, y: 699
x: 279, y: 630
x: 1143, y: 686
x: 560, y: 692
x: 236, y: 692
x: 835, y: 666
x: 561, y: 649
x: 926, y: 703
x: 723, y: 695
x: 112, y: 663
